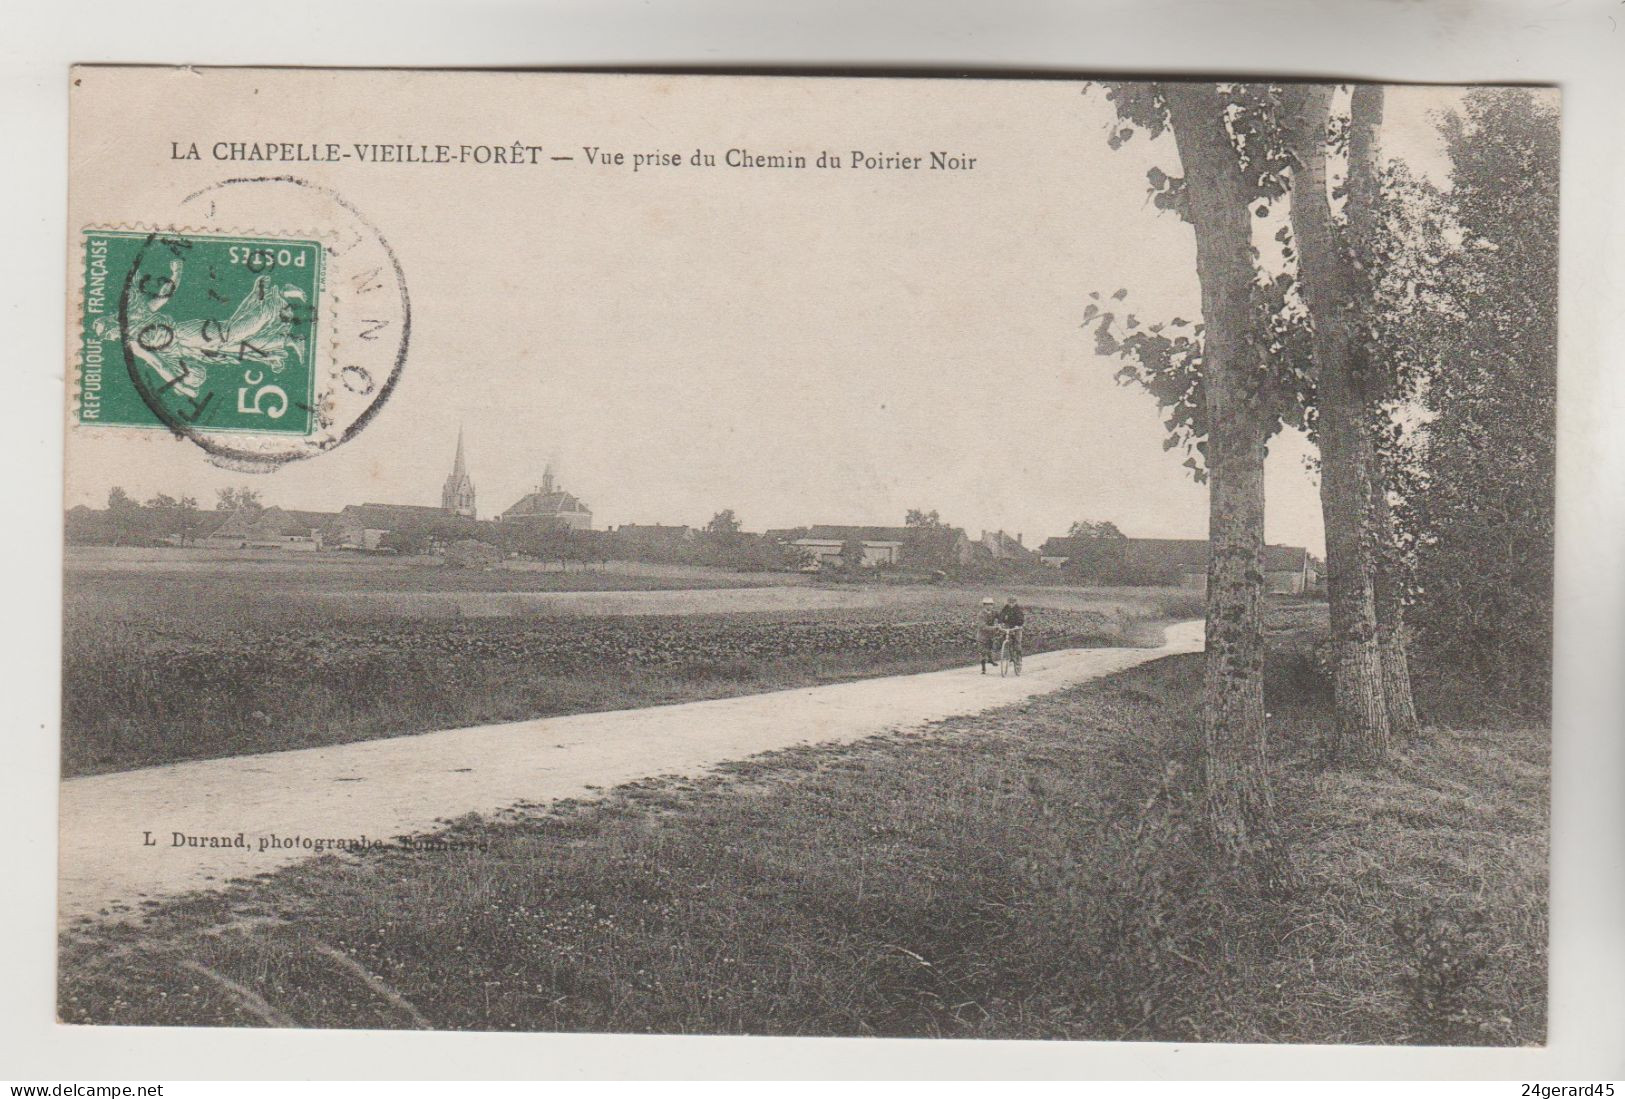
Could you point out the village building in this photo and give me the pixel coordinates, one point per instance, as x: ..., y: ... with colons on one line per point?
x: 654, y: 538
x: 825, y: 544
x: 1057, y: 552
x: 365, y: 526
x: 1288, y: 570
x: 1000, y: 546
x: 1181, y: 561
x: 271, y: 528
x: 550, y: 504
x: 831, y: 550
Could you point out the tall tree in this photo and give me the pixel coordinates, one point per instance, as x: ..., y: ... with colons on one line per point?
x: 1329, y: 283
x: 1487, y: 519
x: 1340, y: 378
x: 1406, y: 238
x: 123, y: 515
x: 1221, y: 384
x: 1386, y: 380
x: 1233, y: 732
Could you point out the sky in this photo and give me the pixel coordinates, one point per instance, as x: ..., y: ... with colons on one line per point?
x: 802, y: 347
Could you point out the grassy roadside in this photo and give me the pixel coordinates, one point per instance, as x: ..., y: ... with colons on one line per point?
x: 1032, y: 873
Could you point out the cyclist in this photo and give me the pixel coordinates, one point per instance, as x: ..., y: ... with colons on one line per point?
x: 987, y: 633
x: 1012, y: 618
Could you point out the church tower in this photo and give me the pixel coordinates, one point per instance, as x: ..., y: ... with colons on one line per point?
x: 457, y: 496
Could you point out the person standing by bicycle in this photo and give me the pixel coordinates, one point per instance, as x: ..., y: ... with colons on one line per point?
x: 987, y: 633
x: 1012, y: 618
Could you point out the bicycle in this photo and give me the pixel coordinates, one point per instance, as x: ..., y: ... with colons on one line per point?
x: 1010, y: 653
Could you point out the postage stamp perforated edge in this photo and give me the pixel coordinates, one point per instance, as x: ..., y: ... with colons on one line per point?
x: 324, y: 369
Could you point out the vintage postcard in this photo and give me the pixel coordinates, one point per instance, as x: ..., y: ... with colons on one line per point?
x: 793, y: 555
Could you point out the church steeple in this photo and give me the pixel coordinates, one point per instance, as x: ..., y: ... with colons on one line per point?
x: 457, y: 496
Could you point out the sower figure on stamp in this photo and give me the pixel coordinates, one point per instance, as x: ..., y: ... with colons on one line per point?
x: 180, y: 351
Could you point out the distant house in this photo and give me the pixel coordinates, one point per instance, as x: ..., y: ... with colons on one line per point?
x: 827, y: 543
x: 1182, y: 561
x: 1290, y: 570
x: 881, y: 545
x: 876, y: 551
x: 937, y: 547
x: 1000, y: 546
x: 1056, y: 552
x: 1083, y: 553
x: 655, y: 543
x: 200, y: 525
x: 550, y: 504
x: 272, y: 528
x: 364, y: 526
x: 655, y: 535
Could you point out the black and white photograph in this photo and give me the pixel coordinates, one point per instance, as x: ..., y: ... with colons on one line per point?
x: 820, y: 556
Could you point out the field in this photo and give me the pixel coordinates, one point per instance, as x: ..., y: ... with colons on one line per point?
x: 169, y: 658
x: 1035, y: 872
x: 310, y: 574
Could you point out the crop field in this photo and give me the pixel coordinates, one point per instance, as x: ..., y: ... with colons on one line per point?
x: 159, y: 666
x: 134, y: 569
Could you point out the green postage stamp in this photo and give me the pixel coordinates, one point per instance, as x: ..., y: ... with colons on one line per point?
x: 198, y: 332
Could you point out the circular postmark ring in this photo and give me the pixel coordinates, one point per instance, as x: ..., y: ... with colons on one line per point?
x: 354, y: 367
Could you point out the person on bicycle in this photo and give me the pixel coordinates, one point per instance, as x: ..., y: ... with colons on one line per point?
x: 1012, y: 617
x: 987, y: 633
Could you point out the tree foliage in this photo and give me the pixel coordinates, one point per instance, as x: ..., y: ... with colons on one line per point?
x: 230, y: 499
x: 1084, y: 528
x: 1485, y: 515
x: 724, y: 522
x: 1164, y: 356
x: 163, y: 518
x: 852, y: 553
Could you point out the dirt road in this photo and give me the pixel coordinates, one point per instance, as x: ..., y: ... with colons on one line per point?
x: 124, y: 836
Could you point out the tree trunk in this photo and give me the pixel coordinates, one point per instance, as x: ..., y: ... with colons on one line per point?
x: 1393, y: 643
x: 1329, y: 285
x: 1392, y: 637
x: 1364, y: 192
x: 1236, y: 766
